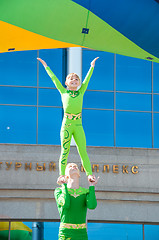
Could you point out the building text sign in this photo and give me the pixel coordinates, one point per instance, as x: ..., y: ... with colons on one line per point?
x: 52, y: 166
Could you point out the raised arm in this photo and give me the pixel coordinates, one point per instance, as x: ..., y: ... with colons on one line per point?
x: 62, y: 196
x: 91, y: 201
x: 52, y: 76
x: 88, y: 76
x: 91, y: 197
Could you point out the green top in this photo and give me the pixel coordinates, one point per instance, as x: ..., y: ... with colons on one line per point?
x: 73, y: 203
x: 72, y: 100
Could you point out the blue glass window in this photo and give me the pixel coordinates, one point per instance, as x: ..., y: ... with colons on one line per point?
x: 156, y: 103
x: 18, y: 124
x: 112, y: 231
x: 53, y: 58
x: 18, y: 68
x: 18, y: 95
x: 103, y: 75
x: 156, y: 130
x: 133, y: 129
x: 151, y: 232
x: 99, y: 127
x: 133, y: 101
x: 49, y: 124
x: 51, y: 230
x: 133, y: 74
x: 156, y: 77
x: 49, y: 97
x: 93, y: 99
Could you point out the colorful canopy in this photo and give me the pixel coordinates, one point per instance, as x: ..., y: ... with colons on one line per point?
x: 125, y: 27
x: 18, y: 231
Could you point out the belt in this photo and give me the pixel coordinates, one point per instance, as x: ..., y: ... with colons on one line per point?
x: 73, y: 226
x: 72, y: 116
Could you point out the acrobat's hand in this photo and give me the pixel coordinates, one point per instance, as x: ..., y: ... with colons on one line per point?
x: 43, y: 62
x: 92, y: 180
x: 93, y: 62
x: 62, y: 179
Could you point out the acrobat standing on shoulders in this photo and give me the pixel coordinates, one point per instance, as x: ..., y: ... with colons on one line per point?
x: 72, y: 100
x: 73, y: 202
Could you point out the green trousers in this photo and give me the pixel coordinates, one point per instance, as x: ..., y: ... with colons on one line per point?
x: 73, y: 128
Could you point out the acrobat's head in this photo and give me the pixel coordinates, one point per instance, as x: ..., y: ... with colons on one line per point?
x: 72, y: 81
x: 72, y: 170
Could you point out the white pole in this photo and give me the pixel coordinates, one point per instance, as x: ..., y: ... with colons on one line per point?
x: 74, y: 65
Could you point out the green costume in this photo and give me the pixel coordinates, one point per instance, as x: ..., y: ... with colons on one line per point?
x: 72, y: 122
x: 72, y: 206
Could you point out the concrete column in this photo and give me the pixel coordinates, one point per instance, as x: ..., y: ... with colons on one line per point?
x: 74, y: 61
x: 74, y: 65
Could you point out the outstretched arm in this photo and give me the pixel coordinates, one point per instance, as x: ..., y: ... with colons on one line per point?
x: 93, y: 62
x: 52, y: 75
x: 88, y: 76
x: 43, y: 62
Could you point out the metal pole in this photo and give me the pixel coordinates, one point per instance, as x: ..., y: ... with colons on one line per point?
x: 143, y: 231
x: 37, y: 231
x: 9, y: 230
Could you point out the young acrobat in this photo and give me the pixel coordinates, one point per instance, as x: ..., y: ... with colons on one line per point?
x: 72, y: 202
x: 72, y: 100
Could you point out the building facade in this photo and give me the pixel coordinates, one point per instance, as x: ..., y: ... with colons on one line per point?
x: 121, y: 122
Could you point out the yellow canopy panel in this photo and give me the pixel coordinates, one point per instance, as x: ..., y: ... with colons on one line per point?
x: 17, y: 39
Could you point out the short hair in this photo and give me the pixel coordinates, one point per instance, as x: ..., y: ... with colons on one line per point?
x: 73, y: 74
x: 66, y: 171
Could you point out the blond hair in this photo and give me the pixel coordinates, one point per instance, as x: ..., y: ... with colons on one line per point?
x: 66, y: 171
x: 73, y: 74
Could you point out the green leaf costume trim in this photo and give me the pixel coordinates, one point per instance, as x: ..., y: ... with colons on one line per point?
x: 73, y: 93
